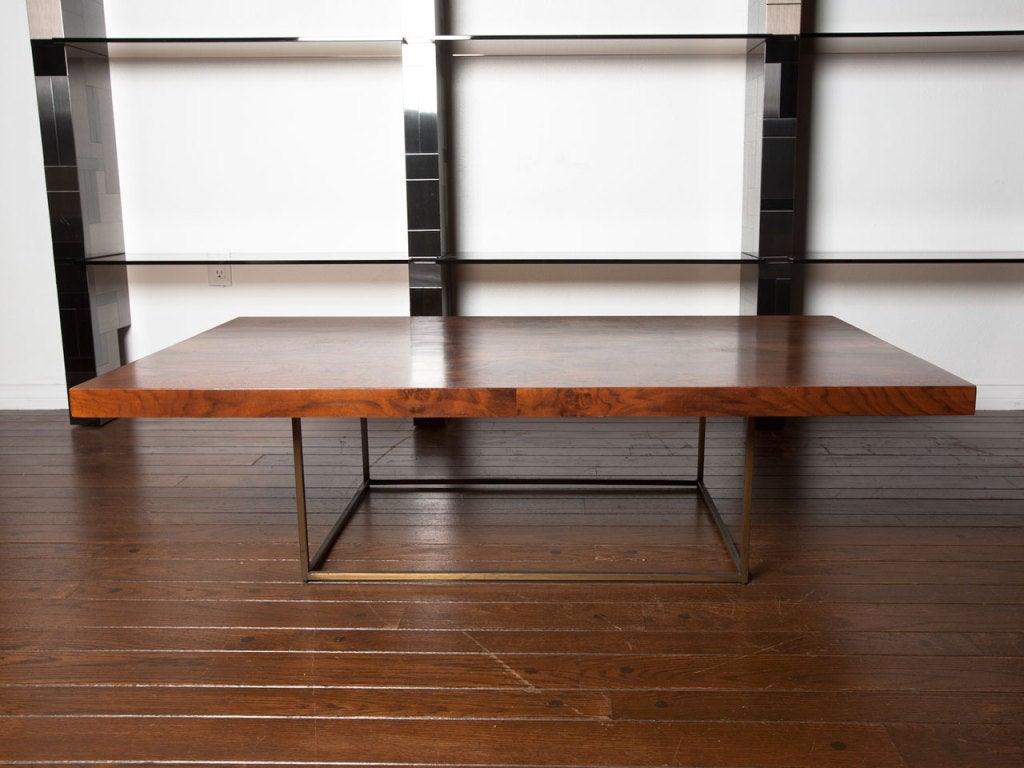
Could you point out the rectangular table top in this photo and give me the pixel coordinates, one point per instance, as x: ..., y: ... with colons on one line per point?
x: 526, y: 366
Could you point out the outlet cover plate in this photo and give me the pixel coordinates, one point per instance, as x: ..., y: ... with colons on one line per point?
x: 219, y: 275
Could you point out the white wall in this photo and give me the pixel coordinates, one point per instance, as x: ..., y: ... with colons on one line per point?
x: 233, y: 157
x: 31, y: 366
x: 575, y: 155
x: 293, y: 158
x: 253, y: 18
x: 569, y: 17
x: 922, y: 15
x: 964, y: 318
x: 923, y: 153
x: 651, y: 159
x: 578, y: 154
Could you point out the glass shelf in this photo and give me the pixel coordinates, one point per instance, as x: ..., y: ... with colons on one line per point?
x: 1009, y: 41
x: 911, y: 257
x: 599, y: 45
x: 587, y: 257
x: 1005, y: 41
x: 184, y: 259
x: 235, y: 47
x: 617, y: 257
x: 560, y: 257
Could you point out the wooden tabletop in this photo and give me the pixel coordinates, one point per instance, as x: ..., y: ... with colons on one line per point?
x: 527, y: 366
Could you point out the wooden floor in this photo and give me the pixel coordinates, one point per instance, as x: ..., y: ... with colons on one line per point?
x: 150, y: 611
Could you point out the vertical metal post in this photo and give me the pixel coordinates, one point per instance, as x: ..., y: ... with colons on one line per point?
x: 701, y: 440
x: 772, y: 169
x: 748, y: 497
x: 424, y: 87
x: 364, y: 444
x: 79, y: 155
x: 300, y: 497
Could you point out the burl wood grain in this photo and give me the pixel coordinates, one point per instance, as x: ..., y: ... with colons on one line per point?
x: 527, y: 366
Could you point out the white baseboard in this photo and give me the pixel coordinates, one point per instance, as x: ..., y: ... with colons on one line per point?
x: 1000, y: 397
x: 33, y: 398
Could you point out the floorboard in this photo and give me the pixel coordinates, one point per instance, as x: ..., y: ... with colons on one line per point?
x: 151, y: 612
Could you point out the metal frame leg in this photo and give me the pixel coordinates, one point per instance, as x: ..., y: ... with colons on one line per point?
x: 702, y: 435
x: 750, y: 428
x: 310, y: 565
x: 739, y: 553
x: 300, y: 496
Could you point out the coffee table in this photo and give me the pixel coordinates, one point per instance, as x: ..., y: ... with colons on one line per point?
x: 526, y: 367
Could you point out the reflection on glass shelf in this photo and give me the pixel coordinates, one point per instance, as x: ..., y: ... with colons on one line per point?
x: 235, y: 47
x: 589, y: 257
x: 916, y: 42
x: 599, y: 45
x: 544, y: 45
x: 364, y: 257
x: 911, y: 257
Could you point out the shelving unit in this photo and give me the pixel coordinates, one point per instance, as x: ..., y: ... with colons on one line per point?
x: 906, y: 161
x: 213, y: 50
x: 779, y: 64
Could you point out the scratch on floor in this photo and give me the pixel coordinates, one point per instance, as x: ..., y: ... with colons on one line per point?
x: 609, y: 622
x: 675, y: 753
x: 497, y: 660
x: 577, y: 710
x: 732, y: 660
x: 379, y: 460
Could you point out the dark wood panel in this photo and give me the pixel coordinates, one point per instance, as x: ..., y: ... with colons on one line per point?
x: 192, y: 613
x: 262, y: 701
x: 626, y: 538
x: 965, y: 746
x: 937, y: 707
x: 894, y: 572
x: 853, y: 617
x: 553, y: 594
x: 283, y: 668
x: 799, y: 673
x: 437, y: 742
x: 507, y: 641
x: 772, y: 570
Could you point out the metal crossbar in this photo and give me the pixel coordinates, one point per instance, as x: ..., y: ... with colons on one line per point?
x: 313, y: 564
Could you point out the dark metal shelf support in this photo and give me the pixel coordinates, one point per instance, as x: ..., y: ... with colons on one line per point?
x: 80, y: 161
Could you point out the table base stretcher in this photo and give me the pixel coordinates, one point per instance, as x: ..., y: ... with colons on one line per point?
x: 313, y: 562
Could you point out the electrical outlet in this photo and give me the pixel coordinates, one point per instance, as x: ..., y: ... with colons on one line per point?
x: 219, y: 274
